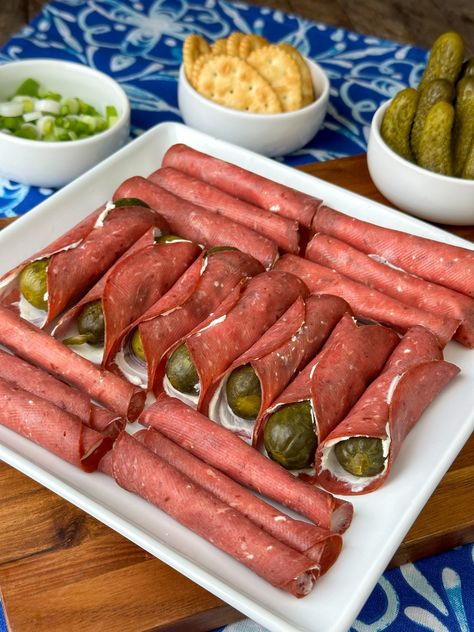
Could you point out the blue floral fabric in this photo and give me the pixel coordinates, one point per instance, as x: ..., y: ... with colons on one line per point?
x: 436, y: 594
x: 139, y: 43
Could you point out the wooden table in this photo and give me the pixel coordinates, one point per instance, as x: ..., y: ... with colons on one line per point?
x: 62, y: 570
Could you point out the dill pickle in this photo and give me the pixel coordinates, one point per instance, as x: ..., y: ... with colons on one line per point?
x: 463, y: 131
x: 433, y: 91
x: 166, y: 239
x: 181, y: 371
x: 361, y: 456
x: 33, y: 283
x: 445, y: 60
x: 137, y: 345
x: 468, y: 68
x: 289, y: 436
x: 244, y: 392
x: 435, y: 152
x: 130, y: 202
x: 90, y: 325
x: 398, y: 120
x: 468, y: 170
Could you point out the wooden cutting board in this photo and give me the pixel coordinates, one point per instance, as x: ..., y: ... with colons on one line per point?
x: 62, y: 570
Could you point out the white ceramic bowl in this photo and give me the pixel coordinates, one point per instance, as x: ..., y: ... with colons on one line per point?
x: 423, y: 193
x: 54, y: 164
x: 267, y: 134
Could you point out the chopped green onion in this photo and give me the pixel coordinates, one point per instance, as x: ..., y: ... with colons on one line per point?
x: 30, y: 87
x: 34, y: 112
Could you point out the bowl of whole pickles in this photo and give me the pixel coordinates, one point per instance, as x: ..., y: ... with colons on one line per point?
x: 421, y: 145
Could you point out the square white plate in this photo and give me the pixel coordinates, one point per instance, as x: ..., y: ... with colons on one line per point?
x: 381, y: 519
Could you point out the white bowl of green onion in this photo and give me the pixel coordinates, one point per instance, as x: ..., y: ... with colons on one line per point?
x: 57, y: 120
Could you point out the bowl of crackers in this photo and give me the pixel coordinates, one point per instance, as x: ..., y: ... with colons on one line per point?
x: 243, y: 89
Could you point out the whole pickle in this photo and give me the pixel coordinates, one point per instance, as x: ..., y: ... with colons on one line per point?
x: 181, y: 371
x: 220, y: 249
x: 468, y: 68
x: 398, y: 120
x: 445, y: 60
x: 244, y: 393
x: 130, y: 202
x: 435, y: 146
x: 361, y: 456
x: 463, y: 131
x: 34, y: 283
x: 432, y: 92
x: 468, y: 170
x: 90, y: 324
x: 165, y: 239
x: 289, y: 436
x: 137, y: 345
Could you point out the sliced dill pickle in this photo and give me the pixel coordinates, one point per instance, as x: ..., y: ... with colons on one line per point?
x: 130, y: 202
x: 181, y: 371
x: 137, y: 345
x: 398, y: 120
x: 33, y: 283
x: 244, y: 392
x: 289, y: 436
x: 463, y: 132
x: 433, y: 91
x: 435, y: 151
x: 445, y: 60
x: 361, y: 456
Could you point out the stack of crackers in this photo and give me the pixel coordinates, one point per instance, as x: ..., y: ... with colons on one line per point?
x: 246, y: 72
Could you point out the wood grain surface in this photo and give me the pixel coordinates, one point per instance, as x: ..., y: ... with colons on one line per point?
x: 62, y: 570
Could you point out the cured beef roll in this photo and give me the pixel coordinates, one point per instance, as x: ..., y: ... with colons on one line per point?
x: 36, y: 346
x: 367, y: 303
x: 407, y: 288
x: 243, y: 184
x: 77, y: 403
x: 357, y: 456
x: 51, y: 427
x: 323, y: 393
x: 225, y: 451
x: 195, y: 363
x: 258, y: 376
x: 41, y: 287
x: 93, y: 326
x: 198, y: 223
x: 282, y: 230
x: 320, y: 545
x: 451, y: 266
x: 198, y: 292
x: 139, y: 470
